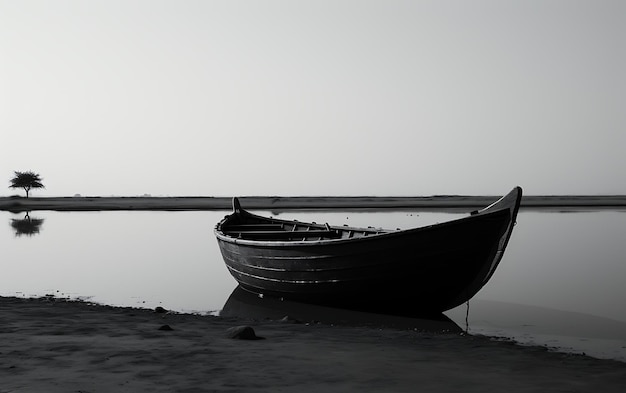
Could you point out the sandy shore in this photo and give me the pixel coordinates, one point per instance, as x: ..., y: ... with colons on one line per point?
x: 18, y: 204
x: 58, y: 346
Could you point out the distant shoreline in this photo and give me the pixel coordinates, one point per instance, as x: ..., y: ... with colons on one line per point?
x: 565, y: 202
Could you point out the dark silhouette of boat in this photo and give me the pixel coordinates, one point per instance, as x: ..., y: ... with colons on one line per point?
x: 243, y: 304
x: 432, y: 268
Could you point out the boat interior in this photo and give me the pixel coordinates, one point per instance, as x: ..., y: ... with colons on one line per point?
x: 251, y: 227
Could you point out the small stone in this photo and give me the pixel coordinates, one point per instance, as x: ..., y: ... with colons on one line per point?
x: 288, y: 319
x: 166, y: 328
x: 160, y: 310
x: 242, y: 333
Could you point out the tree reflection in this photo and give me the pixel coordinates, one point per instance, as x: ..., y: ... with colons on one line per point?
x: 28, y: 225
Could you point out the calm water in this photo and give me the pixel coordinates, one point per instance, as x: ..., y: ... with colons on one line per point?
x: 560, y: 284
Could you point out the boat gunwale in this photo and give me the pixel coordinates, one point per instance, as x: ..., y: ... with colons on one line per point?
x: 375, y: 234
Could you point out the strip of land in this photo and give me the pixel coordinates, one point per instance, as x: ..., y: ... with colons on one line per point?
x: 437, y: 202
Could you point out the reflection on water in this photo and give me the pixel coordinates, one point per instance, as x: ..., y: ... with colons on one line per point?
x: 247, y: 305
x: 28, y: 225
x: 557, y: 267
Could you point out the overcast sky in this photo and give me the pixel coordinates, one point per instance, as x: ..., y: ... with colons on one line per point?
x: 314, y: 97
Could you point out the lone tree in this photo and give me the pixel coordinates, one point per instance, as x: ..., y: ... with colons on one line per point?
x: 26, y: 180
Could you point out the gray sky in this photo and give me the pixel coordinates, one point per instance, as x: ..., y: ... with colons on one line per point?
x: 314, y: 97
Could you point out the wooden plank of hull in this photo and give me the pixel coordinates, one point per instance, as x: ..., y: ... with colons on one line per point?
x: 435, y: 268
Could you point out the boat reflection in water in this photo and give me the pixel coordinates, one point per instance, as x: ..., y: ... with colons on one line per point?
x: 244, y: 304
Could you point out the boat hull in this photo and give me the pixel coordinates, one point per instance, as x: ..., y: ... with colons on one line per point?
x: 432, y: 269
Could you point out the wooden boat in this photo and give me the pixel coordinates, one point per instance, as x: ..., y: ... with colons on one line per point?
x: 429, y: 269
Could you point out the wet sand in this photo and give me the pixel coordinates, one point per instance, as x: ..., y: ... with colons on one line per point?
x: 49, y: 345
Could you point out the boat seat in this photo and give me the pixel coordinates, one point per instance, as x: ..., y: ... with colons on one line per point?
x: 254, y: 227
x: 266, y: 235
